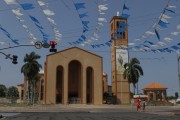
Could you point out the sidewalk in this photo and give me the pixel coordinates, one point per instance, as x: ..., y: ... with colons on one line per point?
x: 89, y: 108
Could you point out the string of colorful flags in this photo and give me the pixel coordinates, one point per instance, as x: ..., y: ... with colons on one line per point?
x: 82, y: 38
x: 120, y: 30
x: 102, y: 8
x: 49, y: 15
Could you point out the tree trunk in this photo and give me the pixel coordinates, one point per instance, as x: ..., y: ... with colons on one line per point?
x: 34, y: 90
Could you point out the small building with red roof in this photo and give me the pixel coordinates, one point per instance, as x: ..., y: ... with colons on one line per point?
x: 155, y: 91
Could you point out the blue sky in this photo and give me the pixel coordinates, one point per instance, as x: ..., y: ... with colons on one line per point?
x: 158, y: 67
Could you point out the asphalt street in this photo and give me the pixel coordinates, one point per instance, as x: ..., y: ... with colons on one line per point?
x: 92, y: 116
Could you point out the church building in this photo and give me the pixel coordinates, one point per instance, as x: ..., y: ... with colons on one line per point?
x: 75, y: 76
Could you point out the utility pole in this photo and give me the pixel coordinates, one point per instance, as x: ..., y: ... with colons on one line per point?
x: 178, y: 58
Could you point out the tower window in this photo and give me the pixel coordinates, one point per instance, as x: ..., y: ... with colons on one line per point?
x: 121, y: 33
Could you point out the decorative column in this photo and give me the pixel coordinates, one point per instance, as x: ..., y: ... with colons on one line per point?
x: 83, y: 86
x: 65, y: 85
x: 154, y: 95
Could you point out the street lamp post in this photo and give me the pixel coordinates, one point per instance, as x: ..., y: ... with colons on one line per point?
x: 178, y: 57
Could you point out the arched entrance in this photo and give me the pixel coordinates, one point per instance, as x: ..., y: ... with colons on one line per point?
x: 74, y: 81
x: 89, y: 85
x: 59, y: 84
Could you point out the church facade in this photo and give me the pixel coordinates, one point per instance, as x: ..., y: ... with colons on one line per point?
x: 73, y: 76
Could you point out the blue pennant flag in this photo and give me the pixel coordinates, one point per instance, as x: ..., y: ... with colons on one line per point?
x: 79, y: 5
x: 125, y: 16
x: 85, y: 29
x: 15, y: 41
x: 108, y: 44
x: 34, y: 19
x: 167, y: 50
x: 121, y: 29
x: 27, y: 6
x: 112, y: 38
x: 175, y: 47
x: 93, y: 46
x: 125, y: 7
x: 77, y: 42
x: 74, y: 43
x: 102, y: 44
x: 8, y: 35
x: 162, y: 24
x: 157, y: 34
x: 123, y: 24
x: 118, y: 35
x: 85, y: 23
x: 146, y: 46
x: 80, y: 40
x: 83, y: 15
x: 178, y: 44
x: 39, y: 26
x: 154, y: 51
x: 98, y: 46
x: 149, y: 42
x: 169, y: 10
x: 161, y: 50
x: 83, y: 37
x: 70, y: 43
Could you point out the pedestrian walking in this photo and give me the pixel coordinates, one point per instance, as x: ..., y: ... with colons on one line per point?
x: 143, y: 105
x: 138, y: 104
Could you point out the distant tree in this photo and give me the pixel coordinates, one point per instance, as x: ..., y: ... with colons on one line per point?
x: 176, y: 95
x: 133, y: 71
x: 12, y: 93
x: 3, y: 90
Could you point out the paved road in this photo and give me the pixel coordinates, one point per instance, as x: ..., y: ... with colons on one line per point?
x: 92, y: 116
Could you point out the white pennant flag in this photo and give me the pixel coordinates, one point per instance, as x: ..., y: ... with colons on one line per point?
x: 42, y: 3
x: 48, y: 12
x: 101, y: 13
x: 51, y: 21
x: 164, y: 20
x: 2, y: 43
x: 82, y: 44
x: 168, y: 39
x: 171, y: 6
x: 25, y: 26
x: 161, y: 43
x: 17, y: 12
x: 10, y: 2
x: 102, y: 7
x: 100, y: 23
x: 155, y: 46
x: 149, y: 33
x: 165, y: 16
x: 178, y: 27
x: 102, y: 20
x: 21, y: 20
x: 96, y: 35
x: 175, y: 33
x: 131, y: 44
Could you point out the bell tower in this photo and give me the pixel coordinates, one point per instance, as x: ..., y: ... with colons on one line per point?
x: 119, y: 56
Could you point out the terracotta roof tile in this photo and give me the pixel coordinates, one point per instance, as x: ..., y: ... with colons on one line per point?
x: 155, y: 85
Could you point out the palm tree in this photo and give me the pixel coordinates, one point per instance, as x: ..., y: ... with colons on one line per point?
x: 30, y: 69
x: 133, y: 71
